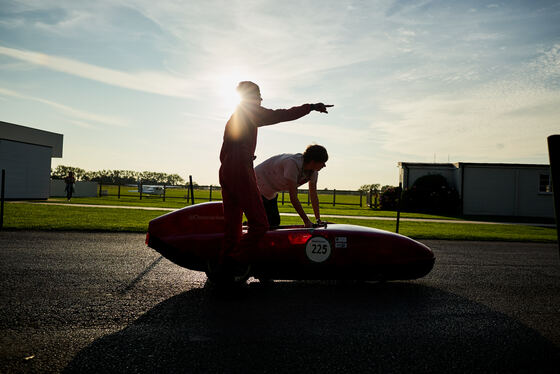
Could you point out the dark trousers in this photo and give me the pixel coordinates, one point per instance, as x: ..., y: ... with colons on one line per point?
x: 69, y: 189
x: 240, y: 194
x: 272, y: 213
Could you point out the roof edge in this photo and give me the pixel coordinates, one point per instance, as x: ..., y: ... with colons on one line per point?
x: 29, y: 135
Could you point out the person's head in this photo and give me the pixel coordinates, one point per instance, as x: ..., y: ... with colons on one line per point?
x: 71, y: 173
x: 249, y: 91
x: 315, y: 157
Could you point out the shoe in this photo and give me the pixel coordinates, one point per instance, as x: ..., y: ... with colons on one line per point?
x: 236, y: 268
x: 228, y: 272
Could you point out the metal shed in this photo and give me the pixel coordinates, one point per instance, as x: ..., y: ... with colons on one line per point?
x: 499, y: 189
x: 25, y: 154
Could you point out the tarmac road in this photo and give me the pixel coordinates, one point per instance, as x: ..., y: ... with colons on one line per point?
x: 97, y: 302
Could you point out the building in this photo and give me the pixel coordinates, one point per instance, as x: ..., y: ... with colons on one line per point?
x: 522, y: 190
x: 25, y: 154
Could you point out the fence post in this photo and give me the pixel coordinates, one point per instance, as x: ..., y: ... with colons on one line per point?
x: 308, y: 197
x: 119, y: 192
x: 334, y: 197
x: 3, y: 187
x: 282, y: 197
x: 100, y: 187
x: 192, y: 189
x: 554, y: 156
x: 399, y: 194
x: 164, y: 189
x: 210, y: 197
x: 361, y: 198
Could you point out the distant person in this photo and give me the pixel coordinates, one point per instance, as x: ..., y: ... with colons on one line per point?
x: 237, y: 176
x: 286, y: 172
x: 69, y: 180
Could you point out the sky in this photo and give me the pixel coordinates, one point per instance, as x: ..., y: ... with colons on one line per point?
x: 149, y: 85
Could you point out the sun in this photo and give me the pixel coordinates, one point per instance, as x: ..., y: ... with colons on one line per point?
x: 226, y: 84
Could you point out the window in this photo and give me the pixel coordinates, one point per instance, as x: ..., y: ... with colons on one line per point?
x: 544, y: 183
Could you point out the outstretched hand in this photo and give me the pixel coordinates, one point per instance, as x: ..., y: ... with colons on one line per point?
x: 320, y: 107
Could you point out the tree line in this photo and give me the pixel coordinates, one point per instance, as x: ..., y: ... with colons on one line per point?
x: 375, y: 187
x: 118, y: 176
x: 429, y: 194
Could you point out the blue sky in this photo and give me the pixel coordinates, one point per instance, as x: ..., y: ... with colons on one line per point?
x: 149, y: 85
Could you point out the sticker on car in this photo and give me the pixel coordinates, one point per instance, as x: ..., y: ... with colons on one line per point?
x: 318, y: 249
x: 340, y: 242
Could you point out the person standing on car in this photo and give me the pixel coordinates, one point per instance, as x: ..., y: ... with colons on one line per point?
x: 286, y: 172
x: 237, y: 176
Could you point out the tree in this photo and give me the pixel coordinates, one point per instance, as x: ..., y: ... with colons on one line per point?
x: 175, y: 180
x: 389, y: 198
x: 62, y: 171
x: 386, y: 187
x: 122, y: 176
x: 368, y: 187
x: 431, y: 194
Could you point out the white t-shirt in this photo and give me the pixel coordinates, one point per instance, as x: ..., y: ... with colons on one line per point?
x: 276, y: 173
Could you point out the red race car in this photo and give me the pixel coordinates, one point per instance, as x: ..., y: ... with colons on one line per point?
x: 192, y: 237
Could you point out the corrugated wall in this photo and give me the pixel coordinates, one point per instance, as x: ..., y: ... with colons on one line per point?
x: 28, y: 169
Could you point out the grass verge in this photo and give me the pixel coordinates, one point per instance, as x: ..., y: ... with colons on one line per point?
x: 53, y: 217
x: 152, y: 201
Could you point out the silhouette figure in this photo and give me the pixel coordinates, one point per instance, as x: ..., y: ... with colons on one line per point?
x: 69, y: 180
x: 240, y: 193
x: 286, y: 172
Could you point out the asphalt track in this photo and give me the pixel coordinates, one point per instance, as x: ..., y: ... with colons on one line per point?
x: 91, y: 302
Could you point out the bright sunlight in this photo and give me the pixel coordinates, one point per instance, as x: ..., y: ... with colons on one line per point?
x: 226, y: 84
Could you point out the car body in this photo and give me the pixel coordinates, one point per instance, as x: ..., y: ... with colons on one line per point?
x: 192, y: 237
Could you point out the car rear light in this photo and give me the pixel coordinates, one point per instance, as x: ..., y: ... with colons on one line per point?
x: 299, y: 238
x: 148, y: 239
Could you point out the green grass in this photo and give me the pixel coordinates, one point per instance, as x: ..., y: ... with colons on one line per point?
x: 458, y: 231
x: 342, y: 210
x: 53, y: 217
x: 29, y: 216
x: 156, y: 201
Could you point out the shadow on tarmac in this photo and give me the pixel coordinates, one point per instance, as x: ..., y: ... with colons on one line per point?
x: 320, y: 327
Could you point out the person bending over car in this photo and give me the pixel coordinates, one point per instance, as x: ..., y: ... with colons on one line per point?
x: 237, y: 176
x: 286, y: 172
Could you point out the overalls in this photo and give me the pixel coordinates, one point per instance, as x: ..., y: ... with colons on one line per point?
x: 240, y: 193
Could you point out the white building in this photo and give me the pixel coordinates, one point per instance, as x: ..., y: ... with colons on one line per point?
x: 522, y: 190
x: 25, y: 154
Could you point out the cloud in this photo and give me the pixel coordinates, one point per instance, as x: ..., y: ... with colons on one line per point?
x: 81, y: 117
x: 546, y: 66
x: 500, y: 117
x: 82, y: 124
x: 269, y: 40
x: 472, y: 37
x: 147, y: 81
x: 497, y: 122
x: 330, y: 133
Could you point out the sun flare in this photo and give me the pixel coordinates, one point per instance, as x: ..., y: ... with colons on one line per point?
x: 226, y: 84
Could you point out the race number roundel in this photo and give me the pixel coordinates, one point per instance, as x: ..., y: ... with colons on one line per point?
x: 318, y: 249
